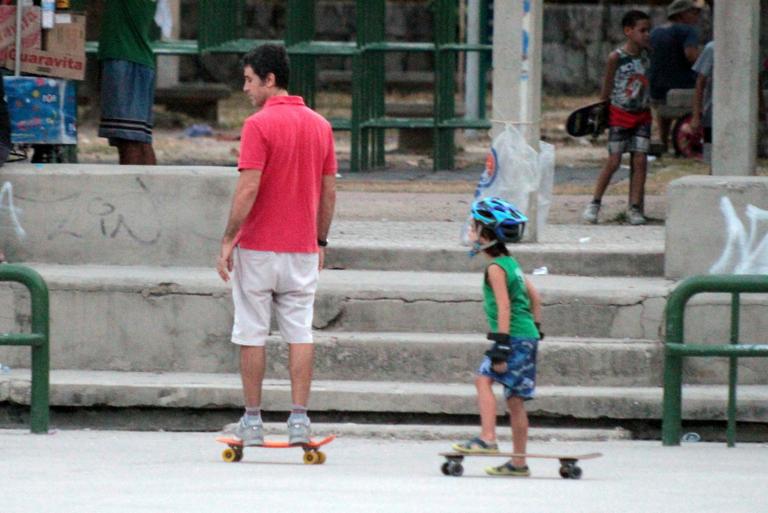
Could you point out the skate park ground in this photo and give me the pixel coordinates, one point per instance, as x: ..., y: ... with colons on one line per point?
x: 108, y: 471
x: 170, y: 471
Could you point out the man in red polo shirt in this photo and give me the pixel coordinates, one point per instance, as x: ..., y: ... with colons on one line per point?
x: 274, y: 243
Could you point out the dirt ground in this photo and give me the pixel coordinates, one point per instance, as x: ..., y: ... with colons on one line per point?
x: 578, y: 160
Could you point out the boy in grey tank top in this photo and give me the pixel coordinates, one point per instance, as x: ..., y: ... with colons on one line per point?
x: 627, y: 92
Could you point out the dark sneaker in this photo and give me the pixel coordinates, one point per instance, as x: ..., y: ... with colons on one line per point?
x: 249, y: 433
x: 298, y: 430
x: 476, y: 446
x: 509, y: 470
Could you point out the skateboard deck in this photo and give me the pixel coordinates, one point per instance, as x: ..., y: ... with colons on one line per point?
x: 568, y: 463
x: 312, y: 456
x: 591, y: 120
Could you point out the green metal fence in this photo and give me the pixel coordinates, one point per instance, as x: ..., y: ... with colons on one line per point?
x: 221, y: 29
x: 676, y: 349
x: 37, y: 340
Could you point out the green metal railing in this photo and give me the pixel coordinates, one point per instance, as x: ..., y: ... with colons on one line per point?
x: 221, y: 29
x: 675, y: 348
x: 37, y: 339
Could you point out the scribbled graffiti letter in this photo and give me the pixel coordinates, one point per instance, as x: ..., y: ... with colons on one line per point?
x: 6, y: 204
x: 744, y: 253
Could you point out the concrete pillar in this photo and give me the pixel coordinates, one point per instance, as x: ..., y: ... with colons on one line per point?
x: 168, y: 65
x: 531, y: 100
x: 737, y: 35
x: 507, y: 64
x: 517, y: 78
x: 472, y: 75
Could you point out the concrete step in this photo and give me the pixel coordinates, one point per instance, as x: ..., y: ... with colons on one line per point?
x: 157, y: 303
x: 174, y: 216
x: 76, y: 389
x: 434, y: 246
x: 420, y: 357
x: 142, y: 318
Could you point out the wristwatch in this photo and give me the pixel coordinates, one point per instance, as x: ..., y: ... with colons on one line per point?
x: 322, y: 243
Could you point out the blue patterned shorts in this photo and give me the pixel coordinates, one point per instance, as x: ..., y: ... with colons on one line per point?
x: 520, y: 378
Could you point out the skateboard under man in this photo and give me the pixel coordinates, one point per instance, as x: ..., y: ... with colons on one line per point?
x: 312, y: 456
x: 568, y: 464
x: 591, y: 120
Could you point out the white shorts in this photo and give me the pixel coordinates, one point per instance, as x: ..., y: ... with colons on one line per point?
x: 263, y: 278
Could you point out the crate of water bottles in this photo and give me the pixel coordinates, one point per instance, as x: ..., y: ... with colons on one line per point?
x: 43, y: 110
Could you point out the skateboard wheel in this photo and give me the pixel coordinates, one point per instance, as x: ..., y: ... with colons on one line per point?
x: 564, y: 472
x: 310, y: 458
x: 444, y: 469
x: 575, y: 472
x: 320, y: 457
x: 230, y: 455
x: 456, y: 469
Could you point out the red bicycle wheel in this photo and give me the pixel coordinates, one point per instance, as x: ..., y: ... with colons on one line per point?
x: 688, y: 143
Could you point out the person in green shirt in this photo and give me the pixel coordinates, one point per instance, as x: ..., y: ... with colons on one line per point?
x: 128, y: 79
x: 513, y: 309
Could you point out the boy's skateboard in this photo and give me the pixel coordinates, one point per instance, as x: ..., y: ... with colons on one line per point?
x: 591, y: 120
x: 312, y: 456
x: 568, y: 464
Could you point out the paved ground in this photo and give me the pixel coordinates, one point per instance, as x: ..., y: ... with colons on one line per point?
x: 76, y: 471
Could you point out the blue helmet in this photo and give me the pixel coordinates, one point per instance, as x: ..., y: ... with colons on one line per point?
x: 501, y: 217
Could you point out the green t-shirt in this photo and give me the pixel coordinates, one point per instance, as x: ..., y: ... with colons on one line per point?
x: 125, y: 29
x: 521, y: 321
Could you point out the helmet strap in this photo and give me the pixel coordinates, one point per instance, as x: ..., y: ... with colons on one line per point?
x: 479, y: 248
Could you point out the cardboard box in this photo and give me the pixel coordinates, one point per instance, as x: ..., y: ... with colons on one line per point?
x: 42, y: 110
x: 62, y: 54
x: 49, y: 64
x: 67, y: 35
x: 30, y: 29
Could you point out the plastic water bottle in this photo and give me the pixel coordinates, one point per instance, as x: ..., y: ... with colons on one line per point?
x: 4, y: 369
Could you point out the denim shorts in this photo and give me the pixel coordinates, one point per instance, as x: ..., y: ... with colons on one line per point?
x: 127, y: 96
x: 520, y: 378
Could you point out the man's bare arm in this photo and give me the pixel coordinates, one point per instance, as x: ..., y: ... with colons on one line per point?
x: 242, y: 201
x: 698, y: 101
x: 245, y: 194
x: 327, y: 206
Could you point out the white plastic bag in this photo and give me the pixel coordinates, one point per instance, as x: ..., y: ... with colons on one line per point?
x: 164, y: 18
x: 513, y: 170
x: 546, y: 182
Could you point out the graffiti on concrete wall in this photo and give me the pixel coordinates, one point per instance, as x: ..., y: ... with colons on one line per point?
x: 746, y: 250
x: 9, y: 212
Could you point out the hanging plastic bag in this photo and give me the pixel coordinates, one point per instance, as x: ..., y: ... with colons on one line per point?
x: 513, y: 170
x: 546, y: 182
x: 164, y: 18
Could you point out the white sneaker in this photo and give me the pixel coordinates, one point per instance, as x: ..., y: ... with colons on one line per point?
x: 298, y: 430
x: 249, y: 434
x: 635, y: 217
x: 590, y: 213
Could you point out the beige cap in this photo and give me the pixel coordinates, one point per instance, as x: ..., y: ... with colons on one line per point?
x: 680, y: 6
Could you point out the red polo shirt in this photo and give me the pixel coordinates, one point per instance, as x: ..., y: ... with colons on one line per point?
x: 293, y: 147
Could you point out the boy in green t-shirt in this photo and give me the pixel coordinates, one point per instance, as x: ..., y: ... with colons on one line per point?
x: 513, y: 308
